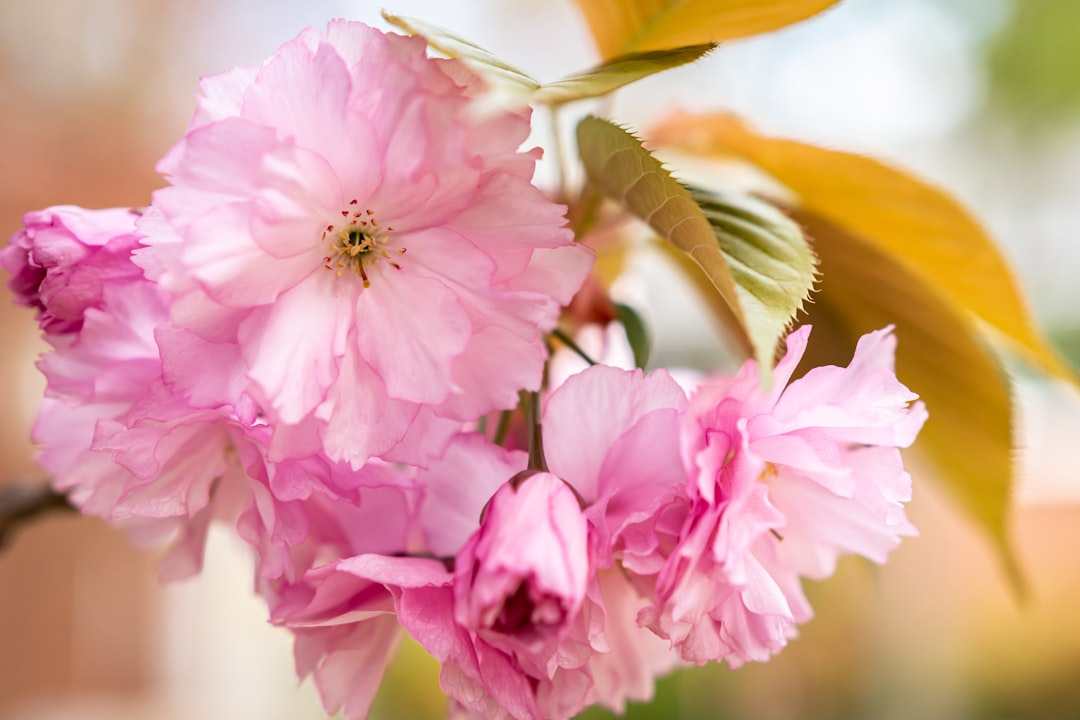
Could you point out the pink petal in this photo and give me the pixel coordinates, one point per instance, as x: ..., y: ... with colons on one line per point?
x: 408, y: 328
x: 591, y: 410
x: 291, y: 352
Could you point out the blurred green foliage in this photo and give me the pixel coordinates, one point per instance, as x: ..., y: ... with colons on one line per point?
x: 1033, y: 64
x: 1068, y: 342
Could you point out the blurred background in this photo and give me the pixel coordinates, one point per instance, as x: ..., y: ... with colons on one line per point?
x: 979, y: 96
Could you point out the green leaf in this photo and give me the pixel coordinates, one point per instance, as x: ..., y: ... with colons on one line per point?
x: 622, y: 26
x: 636, y: 333
x: 617, y: 164
x: 916, y: 224
x: 755, y: 257
x: 618, y: 72
x: 451, y: 45
x: 968, y: 437
x: 520, y: 86
x: 769, y: 259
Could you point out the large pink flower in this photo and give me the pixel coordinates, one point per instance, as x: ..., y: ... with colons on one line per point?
x: 382, y: 258
x: 784, y: 481
x: 126, y: 430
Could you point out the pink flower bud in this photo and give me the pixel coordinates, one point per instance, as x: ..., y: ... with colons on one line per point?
x: 523, y: 573
x: 63, y: 258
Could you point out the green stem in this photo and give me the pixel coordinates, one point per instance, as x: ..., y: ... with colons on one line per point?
x: 503, y: 428
x: 568, y: 342
x: 537, y: 461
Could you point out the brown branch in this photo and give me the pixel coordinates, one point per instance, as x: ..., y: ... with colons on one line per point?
x: 20, y: 503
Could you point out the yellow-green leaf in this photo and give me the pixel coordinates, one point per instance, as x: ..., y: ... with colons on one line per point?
x: 769, y: 259
x: 616, y: 163
x: 618, y: 72
x: 454, y: 46
x: 969, y: 436
x: 622, y: 26
x: 739, y: 243
x: 519, y: 86
x: 911, y: 222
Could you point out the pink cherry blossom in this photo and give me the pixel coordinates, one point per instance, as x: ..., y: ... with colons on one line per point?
x: 125, y: 430
x: 377, y: 248
x: 63, y: 258
x: 784, y: 481
x: 520, y: 579
x: 534, y: 619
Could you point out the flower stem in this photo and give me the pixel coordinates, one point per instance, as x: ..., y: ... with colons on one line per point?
x: 568, y: 342
x: 537, y: 461
x: 503, y: 428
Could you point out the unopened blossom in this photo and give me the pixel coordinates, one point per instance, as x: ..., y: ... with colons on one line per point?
x: 385, y: 265
x: 63, y: 258
x: 783, y: 482
x: 520, y: 580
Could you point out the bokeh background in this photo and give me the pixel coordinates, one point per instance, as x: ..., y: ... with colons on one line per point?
x: 979, y: 96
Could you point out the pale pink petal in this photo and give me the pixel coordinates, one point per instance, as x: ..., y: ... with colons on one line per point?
x: 459, y: 485
x: 483, y: 222
x: 292, y: 355
x: 410, y: 347
x: 636, y: 658
x: 222, y: 94
x: 589, y: 412
x: 231, y: 267
x: 349, y: 675
x: 485, y: 354
x: 358, y: 419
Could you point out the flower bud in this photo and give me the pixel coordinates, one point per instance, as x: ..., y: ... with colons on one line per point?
x: 523, y: 573
x: 64, y: 256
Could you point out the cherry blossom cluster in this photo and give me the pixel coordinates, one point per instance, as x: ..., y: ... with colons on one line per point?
x: 309, y: 336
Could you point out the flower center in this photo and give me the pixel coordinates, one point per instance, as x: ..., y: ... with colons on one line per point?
x: 358, y: 243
